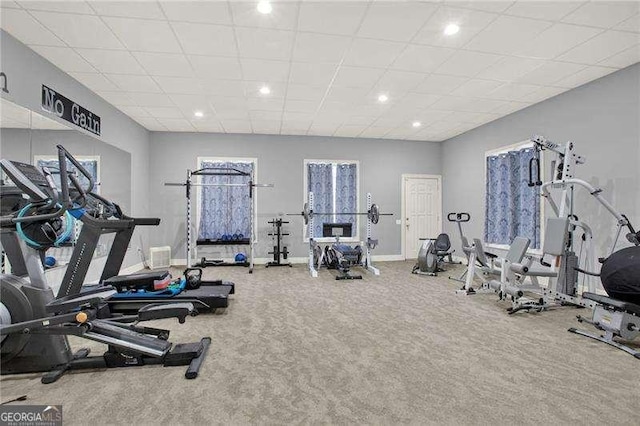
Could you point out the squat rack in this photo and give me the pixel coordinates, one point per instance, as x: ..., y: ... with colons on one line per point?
x: 218, y: 171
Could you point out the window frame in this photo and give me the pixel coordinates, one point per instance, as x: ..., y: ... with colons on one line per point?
x: 305, y: 194
x: 96, y: 158
x: 503, y: 150
x: 198, y: 180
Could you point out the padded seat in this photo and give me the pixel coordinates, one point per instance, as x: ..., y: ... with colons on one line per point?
x: 614, y: 303
x: 139, y: 281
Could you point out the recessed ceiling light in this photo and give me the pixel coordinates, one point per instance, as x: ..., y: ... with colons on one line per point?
x: 199, y: 114
x: 451, y: 29
x: 264, y: 7
x: 383, y: 98
x: 265, y: 90
x: 416, y: 124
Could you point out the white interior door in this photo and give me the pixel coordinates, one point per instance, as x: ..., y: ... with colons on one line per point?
x: 422, y: 211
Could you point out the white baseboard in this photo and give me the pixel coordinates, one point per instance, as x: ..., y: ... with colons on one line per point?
x: 387, y: 258
x: 294, y: 260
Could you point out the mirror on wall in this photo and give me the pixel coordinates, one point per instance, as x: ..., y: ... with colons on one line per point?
x: 31, y: 137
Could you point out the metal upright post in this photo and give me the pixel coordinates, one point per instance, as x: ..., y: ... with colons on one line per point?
x: 370, y: 266
x: 188, y: 193
x: 312, y: 269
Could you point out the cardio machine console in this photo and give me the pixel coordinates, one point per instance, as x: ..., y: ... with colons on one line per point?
x: 28, y: 178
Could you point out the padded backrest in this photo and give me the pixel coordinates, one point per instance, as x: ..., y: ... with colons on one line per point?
x: 555, y: 236
x: 480, y: 256
x: 518, y: 249
x: 442, y: 242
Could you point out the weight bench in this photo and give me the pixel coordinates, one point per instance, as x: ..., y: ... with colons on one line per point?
x: 615, y: 318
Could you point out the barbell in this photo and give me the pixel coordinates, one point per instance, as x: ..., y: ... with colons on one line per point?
x: 373, y: 214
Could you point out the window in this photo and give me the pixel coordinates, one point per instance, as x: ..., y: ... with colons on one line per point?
x: 90, y: 163
x: 512, y: 208
x: 335, y: 187
x: 225, y: 210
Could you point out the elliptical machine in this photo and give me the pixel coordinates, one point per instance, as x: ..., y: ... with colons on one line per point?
x: 34, y: 324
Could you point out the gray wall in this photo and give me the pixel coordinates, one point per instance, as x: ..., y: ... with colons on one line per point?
x: 602, y: 118
x: 26, y: 73
x: 280, y: 161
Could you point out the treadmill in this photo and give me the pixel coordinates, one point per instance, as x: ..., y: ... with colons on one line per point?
x: 100, y: 216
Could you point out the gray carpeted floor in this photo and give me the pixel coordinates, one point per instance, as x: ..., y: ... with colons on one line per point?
x: 398, y: 348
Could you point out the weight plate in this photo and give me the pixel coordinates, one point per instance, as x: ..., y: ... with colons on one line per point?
x: 374, y: 214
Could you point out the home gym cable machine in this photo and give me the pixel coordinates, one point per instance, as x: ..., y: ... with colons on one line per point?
x: 373, y: 216
x: 279, y: 252
x: 218, y: 171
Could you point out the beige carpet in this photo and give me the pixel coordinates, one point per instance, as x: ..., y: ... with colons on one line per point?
x: 398, y: 348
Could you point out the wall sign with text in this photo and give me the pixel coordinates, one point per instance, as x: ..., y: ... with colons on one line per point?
x: 70, y: 111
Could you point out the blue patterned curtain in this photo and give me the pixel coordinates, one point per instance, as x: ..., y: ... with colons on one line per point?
x: 347, y: 194
x: 54, y: 167
x: 512, y: 207
x: 320, y: 182
x: 225, y: 209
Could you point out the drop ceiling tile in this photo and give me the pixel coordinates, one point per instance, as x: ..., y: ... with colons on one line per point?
x: 476, y: 88
x: 399, y: 81
x: 450, y: 103
x: 557, y: 40
x: 467, y: 64
x: 440, y: 84
x: 78, y: 7
x: 398, y: 21
x: 216, y: 67
x: 128, y: 9
x: 64, y: 58
x: 360, y: 120
x: 423, y: 59
x: 305, y: 92
x: 190, y: 103
x: 25, y: 28
x: 509, y: 107
x: 164, y: 64
x: 298, y: 117
x: 311, y: 74
x: 471, y: 22
x: 623, y: 59
x: 488, y: 6
x: 265, y: 104
x: 135, y: 111
x: 631, y: 24
x: 265, y: 70
x: 264, y: 43
x: 293, y: 129
x: 506, y: 35
x: 417, y: 101
x: 112, y: 61
x: 282, y: 17
x: 357, y: 76
x: 513, y: 91
x: 293, y: 105
x: 223, y: 103
x: 117, y: 98
x: 176, y: 124
x: 331, y: 17
x: 374, y: 132
x: 543, y: 93
x: 164, y: 112
x: 600, y: 47
x: 144, y: 35
x: 236, y: 126
x: 134, y: 83
x: 230, y: 88
x: 586, y: 75
x: 9, y: 5
x: 545, y: 10
x: 150, y: 124
x: 510, y: 68
x: 265, y: 115
x: 323, y: 128
x: 372, y: 53
x: 266, y: 126
x: 201, y: 39
x: 252, y: 89
x: 94, y: 81
x: 401, y: 132
x: 349, y: 131
x: 79, y: 30
x: 208, y: 126
x: 604, y: 14
x: 428, y: 117
x: 310, y: 47
x: 550, y: 73
x: 150, y: 100
x: 205, y: 12
x: 482, y: 105
x: 179, y: 85
x: 346, y: 94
